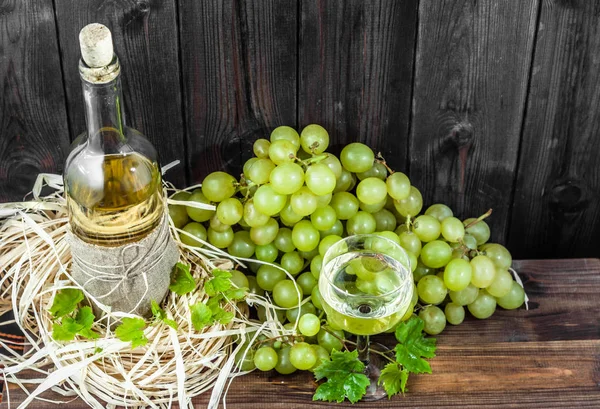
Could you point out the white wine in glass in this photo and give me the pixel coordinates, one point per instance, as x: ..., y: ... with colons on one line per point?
x: 366, y: 287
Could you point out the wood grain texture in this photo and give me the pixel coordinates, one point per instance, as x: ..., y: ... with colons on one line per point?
x: 556, y: 209
x: 356, y: 62
x: 33, y: 125
x: 239, y: 77
x: 145, y: 37
x: 544, y: 357
x: 472, y: 69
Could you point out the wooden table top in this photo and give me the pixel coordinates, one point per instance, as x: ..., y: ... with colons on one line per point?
x: 547, y: 357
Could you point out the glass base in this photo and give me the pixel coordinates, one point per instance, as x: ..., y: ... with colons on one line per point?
x: 373, y: 369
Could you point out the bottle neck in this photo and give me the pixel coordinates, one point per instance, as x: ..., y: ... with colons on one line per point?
x: 104, y: 112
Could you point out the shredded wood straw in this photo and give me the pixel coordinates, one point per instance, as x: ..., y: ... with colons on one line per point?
x: 174, y: 366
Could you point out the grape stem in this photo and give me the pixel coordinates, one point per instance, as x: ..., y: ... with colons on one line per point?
x: 371, y: 350
x: 381, y: 160
x: 480, y: 218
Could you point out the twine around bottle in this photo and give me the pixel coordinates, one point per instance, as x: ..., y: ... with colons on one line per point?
x: 127, y: 278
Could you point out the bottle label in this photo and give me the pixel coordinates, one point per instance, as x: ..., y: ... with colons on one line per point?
x: 126, y: 278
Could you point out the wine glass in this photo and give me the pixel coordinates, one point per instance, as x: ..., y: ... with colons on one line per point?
x: 366, y: 287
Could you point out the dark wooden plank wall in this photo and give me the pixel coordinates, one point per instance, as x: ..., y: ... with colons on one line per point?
x: 485, y: 104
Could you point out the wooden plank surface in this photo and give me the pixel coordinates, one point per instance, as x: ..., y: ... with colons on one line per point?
x: 546, y: 357
x: 34, y: 137
x: 355, y: 68
x: 239, y: 78
x: 556, y: 206
x: 145, y: 36
x: 472, y: 69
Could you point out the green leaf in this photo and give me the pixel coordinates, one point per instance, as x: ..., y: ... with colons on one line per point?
x: 345, y: 378
x: 182, y: 281
x: 132, y: 329
x: 393, y: 379
x: 160, y: 315
x: 201, y: 316
x: 219, y: 283
x: 88, y: 333
x: 236, y: 294
x: 224, y: 317
x: 413, y: 346
x: 60, y: 333
x: 65, y: 302
x: 85, y: 317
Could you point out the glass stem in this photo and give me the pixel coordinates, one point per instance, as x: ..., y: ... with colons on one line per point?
x: 362, y: 346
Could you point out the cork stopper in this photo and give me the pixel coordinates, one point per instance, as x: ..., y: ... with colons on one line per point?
x: 96, y: 45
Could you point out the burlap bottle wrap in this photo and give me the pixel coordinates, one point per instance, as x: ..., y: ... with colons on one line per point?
x: 126, y: 278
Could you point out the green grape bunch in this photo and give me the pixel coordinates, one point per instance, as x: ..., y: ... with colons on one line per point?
x: 294, y: 200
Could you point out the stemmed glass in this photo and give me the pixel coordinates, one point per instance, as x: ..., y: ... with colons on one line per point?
x: 366, y: 287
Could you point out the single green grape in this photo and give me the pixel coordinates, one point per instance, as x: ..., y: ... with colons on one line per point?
x: 218, y: 186
x: 264, y: 234
x: 259, y: 171
x: 178, y: 213
x: 306, y: 308
x: 436, y: 254
x: 267, y: 252
x: 247, y: 165
x: 410, y: 242
x: 309, y: 325
x: 453, y: 229
x: 484, y: 271
x: 457, y: 274
x: 434, y: 319
x: 333, y: 163
x: 267, y: 201
x: 315, y: 297
x: 241, y: 246
x: 513, y: 299
x: 244, y: 359
x: 480, y: 230
x: 439, y: 211
x: 330, y: 339
x: 465, y: 296
x: 483, y: 307
x: 292, y: 262
x: 261, y: 148
x: 303, y: 202
x: 309, y: 255
x: 287, y: 215
x: 345, y: 205
x: 199, y: 215
x: 265, y: 358
x: 411, y: 205
x: 305, y: 236
x: 385, y: 221
x: 337, y: 229
x: 322, y: 355
x: 427, y: 228
x: 220, y: 239
x: 327, y: 242
x: 283, y: 241
x: 287, y: 178
x: 314, y: 139
x: 357, y: 157
x: 431, y: 289
x: 422, y: 270
x: 315, y: 266
x: 216, y: 224
x: 286, y: 294
x: 197, y: 232
x: 239, y: 279
x: 267, y: 276
x: 302, y: 356
x: 498, y: 254
x: 286, y: 133
x: 284, y: 365
x: 373, y: 208
x: 252, y: 216
x: 323, y: 218
x: 282, y: 151
x: 470, y: 241
x: 320, y: 179
x: 398, y: 186
x: 361, y: 223
x: 344, y: 182
x: 253, y: 286
x: 455, y: 314
x: 371, y: 190
x: 378, y: 170
x: 389, y: 235
x: 307, y: 282
x: 501, y: 285
x: 230, y: 211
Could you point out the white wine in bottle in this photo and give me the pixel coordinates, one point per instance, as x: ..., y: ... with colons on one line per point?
x: 114, y: 191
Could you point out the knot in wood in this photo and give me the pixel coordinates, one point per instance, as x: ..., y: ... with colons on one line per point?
x: 462, y: 134
x: 569, y: 196
x: 143, y: 6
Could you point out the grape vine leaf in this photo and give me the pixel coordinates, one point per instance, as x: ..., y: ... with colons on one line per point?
x: 65, y: 302
x: 81, y: 324
x: 201, y: 316
x: 413, y: 346
x: 182, y: 281
x: 393, y: 379
x: 345, y: 378
x: 132, y: 329
x: 160, y: 315
x: 219, y: 283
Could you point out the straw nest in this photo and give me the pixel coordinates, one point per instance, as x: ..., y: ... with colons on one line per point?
x: 174, y: 366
